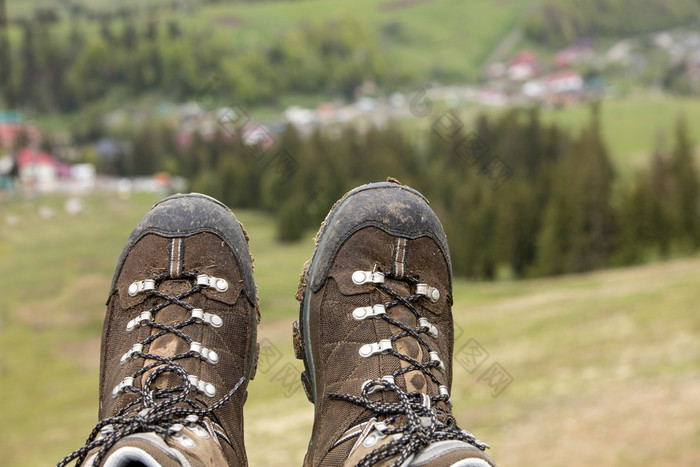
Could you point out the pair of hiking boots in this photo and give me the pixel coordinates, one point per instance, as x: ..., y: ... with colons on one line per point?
x: 375, y: 333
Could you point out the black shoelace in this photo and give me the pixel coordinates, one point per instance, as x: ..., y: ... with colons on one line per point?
x: 162, y: 411
x: 421, y: 412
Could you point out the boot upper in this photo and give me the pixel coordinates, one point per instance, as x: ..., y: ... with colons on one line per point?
x: 376, y: 329
x: 179, y: 336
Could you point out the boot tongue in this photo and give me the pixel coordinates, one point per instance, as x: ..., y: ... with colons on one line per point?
x: 170, y: 344
x: 415, y: 381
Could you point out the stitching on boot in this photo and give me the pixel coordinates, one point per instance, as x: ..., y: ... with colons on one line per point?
x: 399, y: 257
x: 176, y: 257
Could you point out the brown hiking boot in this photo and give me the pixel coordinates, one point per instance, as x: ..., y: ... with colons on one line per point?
x: 376, y: 336
x: 179, y: 342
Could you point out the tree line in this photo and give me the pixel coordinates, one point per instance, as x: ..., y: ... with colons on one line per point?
x: 67, y: 66
x: 71, y: 58
x: 555, y: 205
x: 558, y: 23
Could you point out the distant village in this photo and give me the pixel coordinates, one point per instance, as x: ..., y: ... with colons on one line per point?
x: 32, y: 170
x: 571, y: 76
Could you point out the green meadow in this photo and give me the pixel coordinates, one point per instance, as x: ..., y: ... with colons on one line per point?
x: 416, y: 35
x: 633, y: 126
x: 594, y: 369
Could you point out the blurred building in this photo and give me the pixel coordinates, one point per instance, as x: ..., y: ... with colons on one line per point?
x: 38, y: 171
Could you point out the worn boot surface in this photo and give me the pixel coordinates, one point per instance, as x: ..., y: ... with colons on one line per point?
x: 376, y: 336
x: 178, y: 343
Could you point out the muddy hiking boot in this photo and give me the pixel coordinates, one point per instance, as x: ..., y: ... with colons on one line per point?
x: 376, y: 336
x: 179, y: 342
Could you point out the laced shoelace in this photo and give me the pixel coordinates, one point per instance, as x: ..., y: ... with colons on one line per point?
x: 163, y: 411
x: 421, y: 413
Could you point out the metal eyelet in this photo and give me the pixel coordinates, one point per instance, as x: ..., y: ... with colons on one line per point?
x: 365, y: 277
x: 141, y: 286
x: 368, y: 350
x: 434, y: 357
x: 373, y: 438
x: 141, y: 319
x: 445, y: 392
x: 431, y: 293
x: 377, y: 387
x: 424, y: 323
x: 209, y: 318
x: 199, y: 431
x: 205, y: 388
x: 127, y: 382
x: 368, y: 312
x: 130, y: 353
x: 184, y: 440
x: 221, y: 285
x: 204, y: 353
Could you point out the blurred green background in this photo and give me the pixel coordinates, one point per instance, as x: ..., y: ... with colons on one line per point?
x: 557, y: 140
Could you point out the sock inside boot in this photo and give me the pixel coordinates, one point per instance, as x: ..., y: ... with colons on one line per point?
x: 130, y: 456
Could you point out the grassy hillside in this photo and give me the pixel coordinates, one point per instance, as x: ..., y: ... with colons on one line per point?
x: 604, y: 366
x: 632, y: 126
x: 421, y: 38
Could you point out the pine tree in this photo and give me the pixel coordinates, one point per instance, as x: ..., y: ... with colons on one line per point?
x: 290, y: 221
x: 634, y: 237
x: 579, y: 223
x: 470, y: 227
x: 516, y: 230
x: 30, y: 70
x: 661, y: 214
x: 129, y: 36
x: 686, y: 188
x: 596, y: 222
x: 554, y: 240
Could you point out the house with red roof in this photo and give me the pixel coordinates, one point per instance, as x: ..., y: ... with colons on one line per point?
x: 37, y: 169
x: 566, y: 81
x: 524, y: 66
